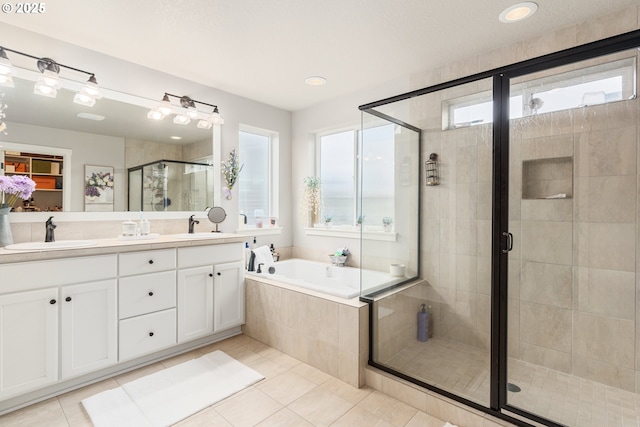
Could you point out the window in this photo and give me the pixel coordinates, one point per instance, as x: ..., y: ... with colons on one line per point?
x: 257, y: 182
x: 338, y: 174
x: 599, y: 84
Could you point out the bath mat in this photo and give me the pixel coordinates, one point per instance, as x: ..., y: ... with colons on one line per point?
x: 166, y: 397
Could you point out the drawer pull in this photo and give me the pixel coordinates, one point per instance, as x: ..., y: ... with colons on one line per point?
x: 67, y: 299
x: 150, y: 261
x: 219, y: 274
x: 150, y: 294
x: 150, y: 334
x: 52, y: 302
x: 210, y: 274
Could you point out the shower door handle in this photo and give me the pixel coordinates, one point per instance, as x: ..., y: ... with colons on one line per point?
x: 509, y: 245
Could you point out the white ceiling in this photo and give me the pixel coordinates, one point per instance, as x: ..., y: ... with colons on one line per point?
x: 264, y: 49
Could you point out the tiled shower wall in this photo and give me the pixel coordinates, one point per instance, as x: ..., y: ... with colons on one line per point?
x: 573, y: 282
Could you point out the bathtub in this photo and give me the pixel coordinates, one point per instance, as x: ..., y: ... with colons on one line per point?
x: 343, y: 282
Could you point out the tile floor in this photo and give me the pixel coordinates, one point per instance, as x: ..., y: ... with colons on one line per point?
x: 292, y: 394
x: 561, y: 397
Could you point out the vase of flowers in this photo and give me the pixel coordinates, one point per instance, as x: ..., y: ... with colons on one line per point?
x: 311, y: 200
x: 231, y: 168
x: 12, y: 188
x: 387, y: 222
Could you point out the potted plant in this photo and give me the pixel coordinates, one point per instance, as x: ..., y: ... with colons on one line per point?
x: 311, y: 200
x: 386, y: 223
x: 327, y: 221
x: 359, y: 222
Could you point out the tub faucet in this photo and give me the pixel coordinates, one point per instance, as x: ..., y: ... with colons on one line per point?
x: 192, y: 222
x: 49, y: 226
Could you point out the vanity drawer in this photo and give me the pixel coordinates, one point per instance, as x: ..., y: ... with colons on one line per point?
x: 146, y: 334
x: 207, y: 255
x: 147, y: 262
x: 146, y: 293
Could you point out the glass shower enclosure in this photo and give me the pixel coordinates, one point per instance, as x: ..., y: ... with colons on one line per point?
x: 170, y: 185
x: 526, y: 301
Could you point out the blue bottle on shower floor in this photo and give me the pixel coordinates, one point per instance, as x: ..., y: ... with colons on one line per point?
x: 423, y: 324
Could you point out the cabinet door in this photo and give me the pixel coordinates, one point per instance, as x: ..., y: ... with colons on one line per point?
x: 89, y: 327
x: 228, y: 295
x: 195, y: 302
x: 28, y: 341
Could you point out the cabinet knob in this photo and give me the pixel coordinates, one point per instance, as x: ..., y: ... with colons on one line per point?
x: 150, y: 334
x: 150, y: 294
x: 150, y: 261
x: 67, y: 299
x: 52, y: 302
x: 210, y: 274
x: 219, y: 274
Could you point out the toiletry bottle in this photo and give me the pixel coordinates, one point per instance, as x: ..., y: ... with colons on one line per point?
x: 247, y: 255
x: 145, y: 227
x: 423, y: 324
x: 129, y: 228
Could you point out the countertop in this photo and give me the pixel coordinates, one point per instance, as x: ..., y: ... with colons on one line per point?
x: 115, y: 245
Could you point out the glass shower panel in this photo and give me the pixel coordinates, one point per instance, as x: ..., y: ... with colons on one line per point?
x: 450, y: 352
x: 388, y: 193
x: 573, y: 188
x: 169, y: 185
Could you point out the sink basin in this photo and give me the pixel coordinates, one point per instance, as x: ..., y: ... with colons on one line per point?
x: 50, y: 246
x: 196, y: 235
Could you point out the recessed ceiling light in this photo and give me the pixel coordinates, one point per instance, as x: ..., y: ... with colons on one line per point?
x: 518, y: 12
x: 90, y: 116
x: 176, y: 137
x: 315, y: 81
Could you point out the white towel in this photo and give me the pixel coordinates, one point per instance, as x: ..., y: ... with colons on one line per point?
x: 448, y: 424
x: 263, y: 256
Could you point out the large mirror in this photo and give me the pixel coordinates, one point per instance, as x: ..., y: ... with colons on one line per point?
x: 114, y: 135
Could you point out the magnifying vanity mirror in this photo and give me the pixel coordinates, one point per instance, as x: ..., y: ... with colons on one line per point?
x: 60, y: 144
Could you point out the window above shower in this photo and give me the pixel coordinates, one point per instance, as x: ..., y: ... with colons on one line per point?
x: 545, y: 93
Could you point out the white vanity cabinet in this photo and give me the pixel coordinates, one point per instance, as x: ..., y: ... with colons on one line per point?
x: 147, y: 302
x: 204, y: 272
x: 66, y: 321
x: 40, y: 330
x: 89, y: 327
x: 228, y: 295
x: 195, y: 302
x: 29, y: 337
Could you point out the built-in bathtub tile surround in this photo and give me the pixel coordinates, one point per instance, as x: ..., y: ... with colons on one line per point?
x: 329, y: 335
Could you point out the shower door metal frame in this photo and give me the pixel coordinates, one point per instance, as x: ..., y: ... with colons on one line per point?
x: 500, y: 220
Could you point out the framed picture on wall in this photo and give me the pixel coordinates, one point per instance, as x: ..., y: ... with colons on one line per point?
x: 98, y: 188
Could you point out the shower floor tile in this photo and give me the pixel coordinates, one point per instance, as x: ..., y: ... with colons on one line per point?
x: 564, y: 398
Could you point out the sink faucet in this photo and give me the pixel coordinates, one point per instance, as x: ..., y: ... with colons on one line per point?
x: 50, y: 226
x: 192, y: 222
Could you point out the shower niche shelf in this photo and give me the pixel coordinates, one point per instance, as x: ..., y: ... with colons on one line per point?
x: 550, y: 179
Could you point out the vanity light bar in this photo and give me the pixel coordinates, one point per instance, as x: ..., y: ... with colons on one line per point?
x: 186, y: 112
x: 49, y: 82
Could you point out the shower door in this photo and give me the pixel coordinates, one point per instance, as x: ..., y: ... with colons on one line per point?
x: 573, y: 217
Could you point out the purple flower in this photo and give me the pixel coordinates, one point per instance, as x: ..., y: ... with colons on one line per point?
x: 15, y: 187
x: 91, y: 191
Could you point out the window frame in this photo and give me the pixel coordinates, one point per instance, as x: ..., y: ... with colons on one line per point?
x: 621, y: 67
x: 273, y: 184
x: 356, y: 171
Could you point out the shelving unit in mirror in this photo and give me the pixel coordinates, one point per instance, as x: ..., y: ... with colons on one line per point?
x: 46, y: 170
